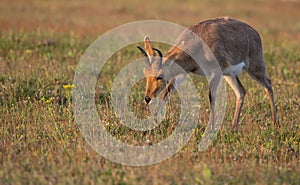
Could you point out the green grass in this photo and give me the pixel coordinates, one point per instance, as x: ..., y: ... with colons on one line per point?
x: 40, y: 142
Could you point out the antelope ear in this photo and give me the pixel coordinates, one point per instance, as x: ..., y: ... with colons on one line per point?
x: 148, y: 47
x: 175, y: 51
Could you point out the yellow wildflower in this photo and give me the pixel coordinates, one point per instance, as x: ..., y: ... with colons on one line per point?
x: 28, y: 51
x: 69, y: 86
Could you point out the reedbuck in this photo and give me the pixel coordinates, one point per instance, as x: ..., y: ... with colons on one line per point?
x: 235, y: 46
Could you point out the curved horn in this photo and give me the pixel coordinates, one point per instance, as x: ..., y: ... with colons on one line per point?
x: 158, y: 63
x: 145, y: 54
x: 159, y: 52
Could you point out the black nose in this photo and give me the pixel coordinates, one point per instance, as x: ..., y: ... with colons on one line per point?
x: 147, y: 99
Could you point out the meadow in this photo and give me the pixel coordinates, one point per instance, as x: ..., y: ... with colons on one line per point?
x: 41, y: 44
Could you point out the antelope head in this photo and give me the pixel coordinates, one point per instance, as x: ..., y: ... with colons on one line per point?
x: 155, y: 72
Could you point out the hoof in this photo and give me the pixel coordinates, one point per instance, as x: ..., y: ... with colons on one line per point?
x: 235, y: 128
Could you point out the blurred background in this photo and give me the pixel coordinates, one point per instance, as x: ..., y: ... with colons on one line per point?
x: 93, y: 17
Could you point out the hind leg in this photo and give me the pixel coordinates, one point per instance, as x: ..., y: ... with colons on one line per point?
x: 261, y: 77
x: 269, y: 90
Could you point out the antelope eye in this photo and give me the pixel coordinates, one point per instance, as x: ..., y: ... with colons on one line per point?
x: 160, y: 77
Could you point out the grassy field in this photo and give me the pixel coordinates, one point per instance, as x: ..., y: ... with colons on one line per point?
x: 41, y: 43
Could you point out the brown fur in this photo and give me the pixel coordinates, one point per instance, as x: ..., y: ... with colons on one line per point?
x: 231, y: 42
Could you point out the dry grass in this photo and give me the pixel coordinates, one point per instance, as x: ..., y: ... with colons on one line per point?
x: 41, y: 43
